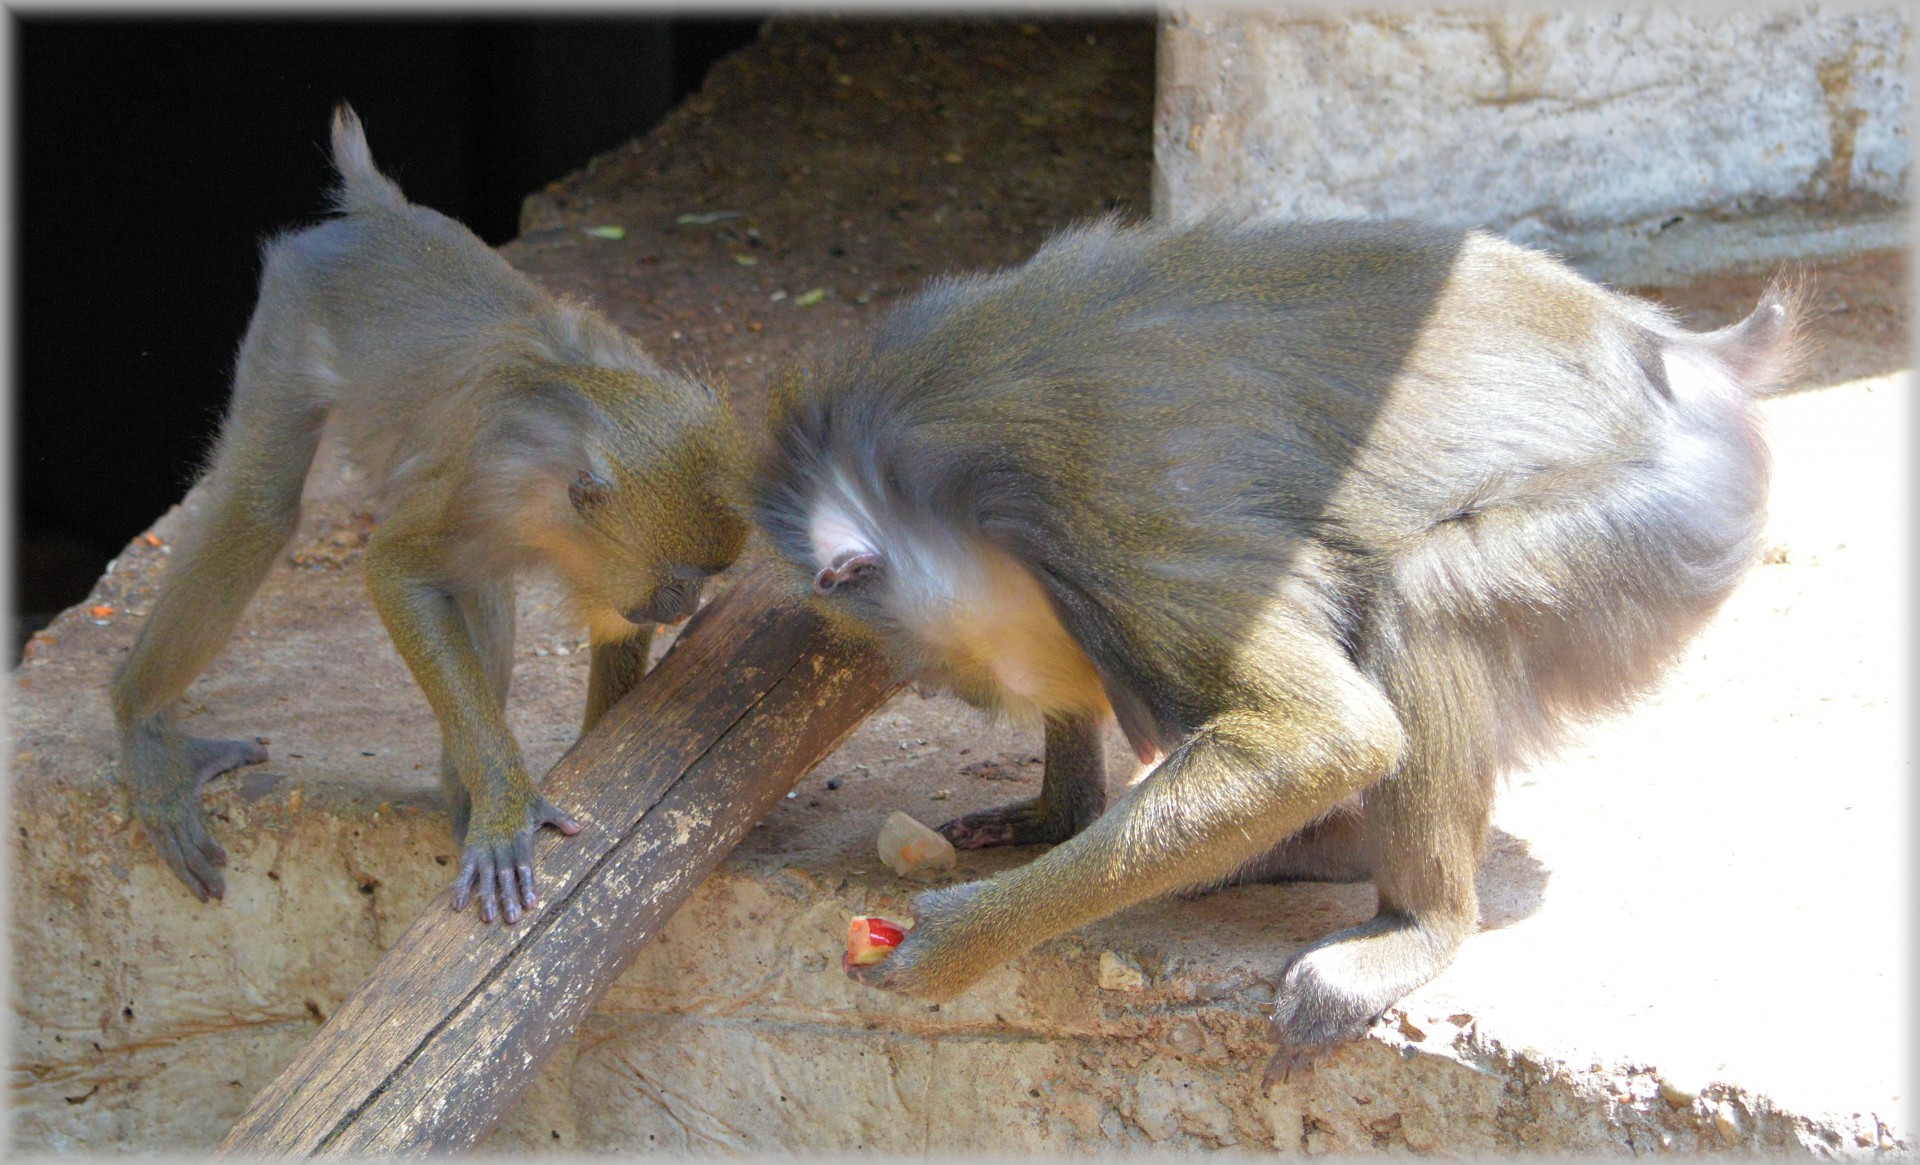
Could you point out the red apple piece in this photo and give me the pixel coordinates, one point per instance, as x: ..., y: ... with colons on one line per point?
x: 871, y: 939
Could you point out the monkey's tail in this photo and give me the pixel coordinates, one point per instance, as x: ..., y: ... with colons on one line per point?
x: 361, y: 186
x: 1770, y: 348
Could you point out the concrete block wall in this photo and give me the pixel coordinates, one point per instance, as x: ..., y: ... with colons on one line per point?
x: 1585, y: 130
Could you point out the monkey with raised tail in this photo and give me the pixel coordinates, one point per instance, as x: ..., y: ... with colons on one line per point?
x: 1339, y: 520
x: 499, y: 428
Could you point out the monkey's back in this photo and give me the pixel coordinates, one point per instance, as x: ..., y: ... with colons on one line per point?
x: 1187, y: 433
x: 403, y: 327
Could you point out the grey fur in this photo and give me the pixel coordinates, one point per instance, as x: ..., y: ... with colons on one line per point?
x: 1349, y: 517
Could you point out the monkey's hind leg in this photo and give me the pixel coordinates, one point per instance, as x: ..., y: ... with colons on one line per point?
x: 1073, y: 791
x: 1425, y: 827
x: 489, y: 617
x: 1425, y: 841
x: 252, y: 507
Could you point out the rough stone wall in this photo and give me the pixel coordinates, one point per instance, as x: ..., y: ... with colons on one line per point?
x: 1543, y: 125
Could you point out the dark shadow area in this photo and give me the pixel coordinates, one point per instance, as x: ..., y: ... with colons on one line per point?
x: 153, y: 155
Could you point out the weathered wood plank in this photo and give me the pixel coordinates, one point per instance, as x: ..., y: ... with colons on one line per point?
x: 458, y: 1019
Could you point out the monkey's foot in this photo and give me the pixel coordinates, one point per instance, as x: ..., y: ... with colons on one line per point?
x: 497, y: 863
x: 930, y: 963
x: 167, y: 801
x: 1333, y: 991
x: 1020, y: 823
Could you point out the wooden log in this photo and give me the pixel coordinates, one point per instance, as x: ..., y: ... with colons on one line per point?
x: 458, y: 1018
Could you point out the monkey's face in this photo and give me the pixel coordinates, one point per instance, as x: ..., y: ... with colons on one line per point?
x: 649, y: 543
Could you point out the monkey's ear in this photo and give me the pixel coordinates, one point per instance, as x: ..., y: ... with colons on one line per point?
x: 589, y: 491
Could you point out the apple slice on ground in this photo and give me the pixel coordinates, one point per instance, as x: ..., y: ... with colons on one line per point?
x: 871, y: 939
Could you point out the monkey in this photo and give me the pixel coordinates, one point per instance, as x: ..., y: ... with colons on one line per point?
x: 498, y: 429
x: 1338, y: 520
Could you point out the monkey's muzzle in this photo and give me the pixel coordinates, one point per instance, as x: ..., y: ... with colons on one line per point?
x: 669, y: 604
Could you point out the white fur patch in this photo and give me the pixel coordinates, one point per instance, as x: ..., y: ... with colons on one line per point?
x: 973, y: 607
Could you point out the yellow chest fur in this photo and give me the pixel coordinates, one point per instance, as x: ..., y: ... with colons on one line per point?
x: 1000, y: 637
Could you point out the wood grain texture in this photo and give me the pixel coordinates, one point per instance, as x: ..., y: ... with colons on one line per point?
x: 458, y: 1018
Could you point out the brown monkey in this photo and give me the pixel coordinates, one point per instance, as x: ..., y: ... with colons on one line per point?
x: 499, y: 429
x: 1339, y: 520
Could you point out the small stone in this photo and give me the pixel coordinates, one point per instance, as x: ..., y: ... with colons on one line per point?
x: 834, y: 782
x: 909, y: 847
x: 1120, y: 972
x: 1186, y: 1038
x: 1726, y: 1121
x: 940, y: 794
x: 1678, y: 1093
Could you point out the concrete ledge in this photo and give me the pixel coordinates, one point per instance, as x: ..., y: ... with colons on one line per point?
x: 1644, y: 979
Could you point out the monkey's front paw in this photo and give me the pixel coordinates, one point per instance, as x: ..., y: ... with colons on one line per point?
x: 1020, y: 823
x: 932, y: 963
x: 497, y: 863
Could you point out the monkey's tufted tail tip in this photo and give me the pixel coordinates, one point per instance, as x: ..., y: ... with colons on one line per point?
x: 362, y: 187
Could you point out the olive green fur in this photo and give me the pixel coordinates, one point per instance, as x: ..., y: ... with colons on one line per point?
x: 498, y: 429
x: 1349, y: 518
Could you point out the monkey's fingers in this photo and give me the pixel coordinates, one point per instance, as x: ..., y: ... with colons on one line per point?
x: 518, y: 866
x: 900, y: 972
x: 195, y: 839
x: 545, y: 813
x: 190, y: 862
x: 476, y: 874
x: 506, y: 874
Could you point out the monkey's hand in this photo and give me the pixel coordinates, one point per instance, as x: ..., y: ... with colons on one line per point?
x: 1034, y: 822
x: 497, y: 862
x: 939, y: 958
x: 162, y: 770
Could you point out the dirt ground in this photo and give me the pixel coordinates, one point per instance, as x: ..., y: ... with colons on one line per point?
x: 861, y: 158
